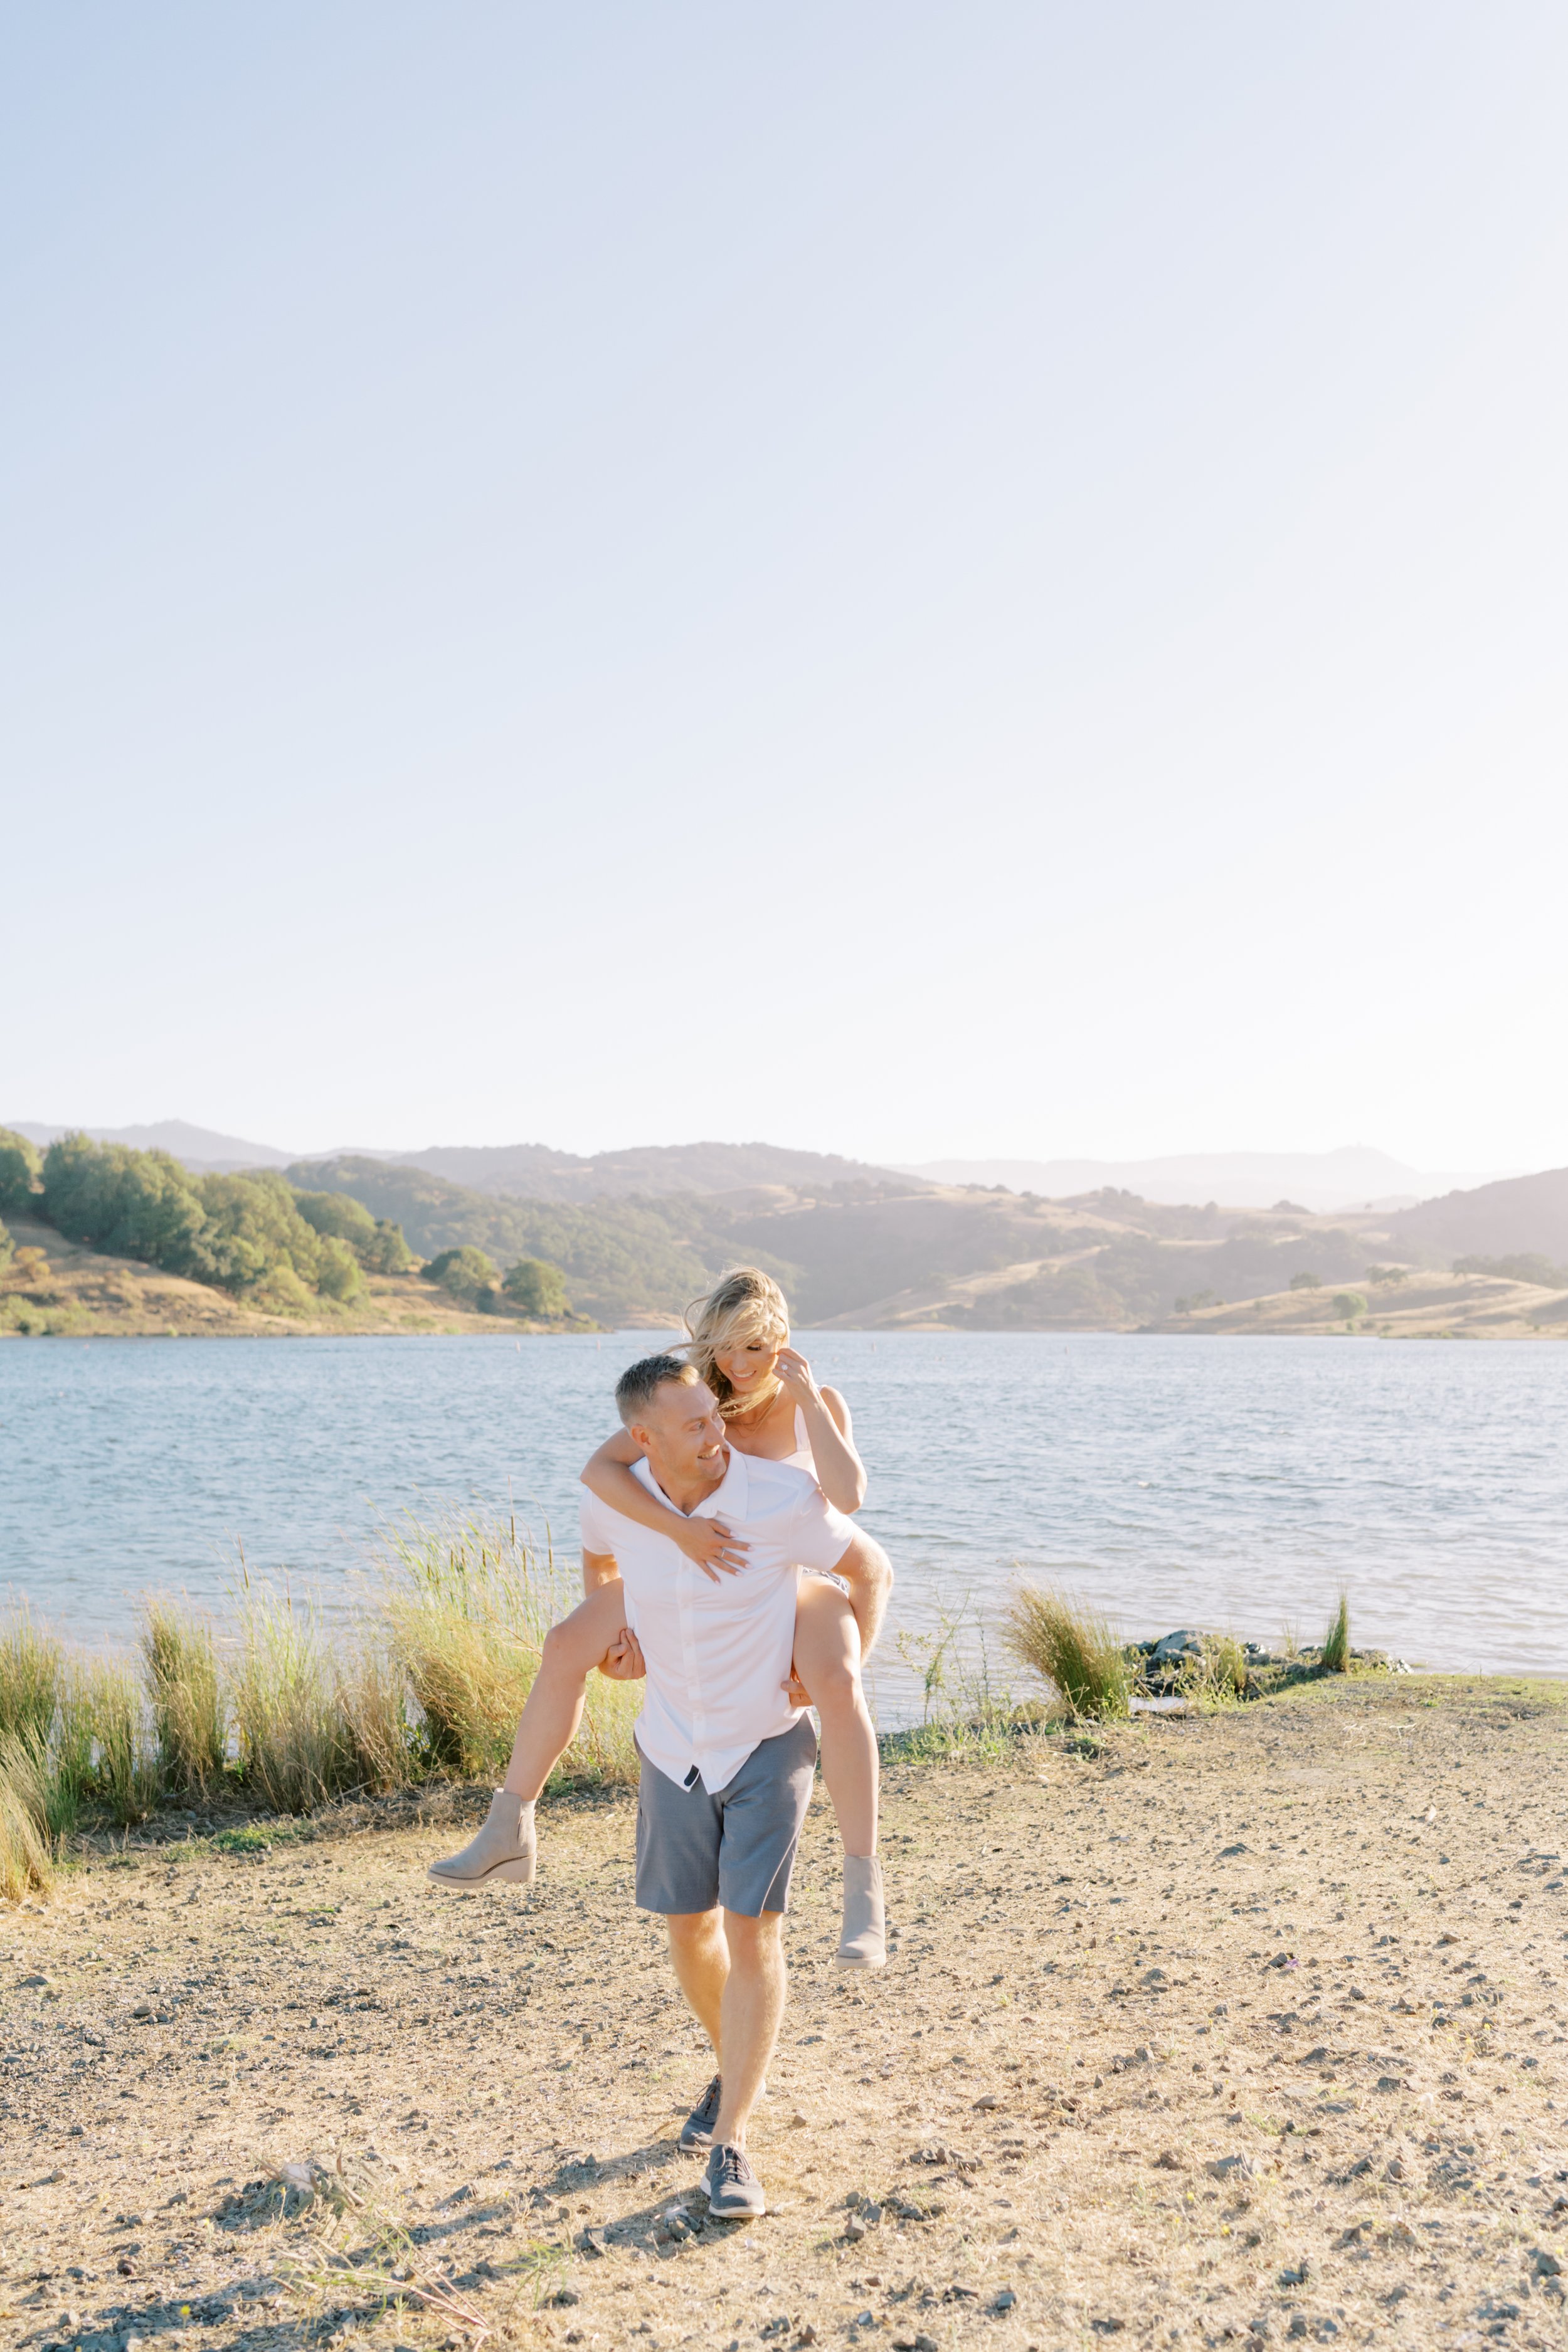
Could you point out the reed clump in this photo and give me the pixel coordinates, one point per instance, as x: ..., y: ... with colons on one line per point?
x: 1071, y: 1648
x: 466, y: 1607
x: 1335, y: 1657
x: 180, y: 1663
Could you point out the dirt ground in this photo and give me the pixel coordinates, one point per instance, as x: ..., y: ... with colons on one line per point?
x: 1245, y: 2027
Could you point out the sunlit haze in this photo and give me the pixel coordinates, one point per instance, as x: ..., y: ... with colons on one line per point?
x: 919, y: 582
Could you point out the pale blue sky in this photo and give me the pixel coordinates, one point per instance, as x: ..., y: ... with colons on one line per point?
x: 913, y: 581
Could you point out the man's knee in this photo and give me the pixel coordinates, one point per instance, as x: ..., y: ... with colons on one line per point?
x: 749, y: 1938
x: 689, y: 1930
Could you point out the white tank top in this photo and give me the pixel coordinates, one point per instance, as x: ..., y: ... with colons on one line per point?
x: 803, y: 1457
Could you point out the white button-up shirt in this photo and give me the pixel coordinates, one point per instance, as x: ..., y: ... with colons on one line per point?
x: 718, y: 1652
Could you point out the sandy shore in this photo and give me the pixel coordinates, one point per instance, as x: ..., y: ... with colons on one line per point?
x: 1250, y: 2026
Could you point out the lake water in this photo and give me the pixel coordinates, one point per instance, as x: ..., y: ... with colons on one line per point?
x: 1234, y: 1482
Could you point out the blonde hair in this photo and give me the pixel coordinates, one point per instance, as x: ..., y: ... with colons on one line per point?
x: 744, y: 1305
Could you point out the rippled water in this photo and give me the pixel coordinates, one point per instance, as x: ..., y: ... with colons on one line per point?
x: 1236, y: 1482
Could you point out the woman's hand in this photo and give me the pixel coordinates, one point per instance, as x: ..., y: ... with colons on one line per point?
x: 793, y: 1688
x: 709, y: 1546
x: 793, y: 1375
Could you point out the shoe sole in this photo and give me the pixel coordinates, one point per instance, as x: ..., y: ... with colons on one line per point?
x: 735, y: 2213
x: 854, y: 1961
x: 519, y: 1871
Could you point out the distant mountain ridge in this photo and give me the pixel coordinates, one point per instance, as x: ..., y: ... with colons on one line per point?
x: 532, y: 1171
x: 1354, y: 1177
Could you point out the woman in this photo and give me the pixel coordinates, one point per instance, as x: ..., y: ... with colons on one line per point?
x: 771, y: 1407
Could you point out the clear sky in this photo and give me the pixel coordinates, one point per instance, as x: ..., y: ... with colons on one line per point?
x: 909, y: 580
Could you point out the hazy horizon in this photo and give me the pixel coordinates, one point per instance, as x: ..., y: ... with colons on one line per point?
x: 934, y: 582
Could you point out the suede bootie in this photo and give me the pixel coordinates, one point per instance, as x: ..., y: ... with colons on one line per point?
x: 504, y: 1848
x: 864, y: 1943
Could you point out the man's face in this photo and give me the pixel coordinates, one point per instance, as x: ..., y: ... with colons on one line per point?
x: 681, y: 1432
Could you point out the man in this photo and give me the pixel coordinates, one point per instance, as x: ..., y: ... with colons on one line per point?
x: 728, y: 1757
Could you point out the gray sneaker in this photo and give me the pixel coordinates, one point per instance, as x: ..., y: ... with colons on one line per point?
x: 734, y: 2193
x: 697, y: 2132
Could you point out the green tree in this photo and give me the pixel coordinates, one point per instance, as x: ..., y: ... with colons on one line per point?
x: 1348, y: 1305
x: 6, y: 1245
x: 539, y: 1289
x: 1306, y: 1282
x: 376, y: 1242
x: 466, y: 1274
x: 20, y: 1162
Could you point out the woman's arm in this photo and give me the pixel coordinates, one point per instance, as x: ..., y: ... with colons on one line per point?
x: 707, y: 1541
x: 840, y: 1473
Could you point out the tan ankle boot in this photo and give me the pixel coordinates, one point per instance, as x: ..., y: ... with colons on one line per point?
x: 864, y: 1943
x: 504, y: 1848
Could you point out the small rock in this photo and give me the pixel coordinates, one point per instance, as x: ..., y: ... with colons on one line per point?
x: 1004, y: 2301
x: 1228, y: 1853
x: 799, y: 2122
x: 35, y: 1980
x: 563, y: 2296
x: 854, y: 2230
x: 1231, y: 2167
x: 1171, y: 2159
x: 987, y: 2104
x: 1545, y: 2265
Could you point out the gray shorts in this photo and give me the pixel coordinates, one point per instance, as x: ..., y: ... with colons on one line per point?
x: 738, y: 1848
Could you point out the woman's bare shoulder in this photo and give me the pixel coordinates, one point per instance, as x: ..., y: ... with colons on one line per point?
x: 835, y: 1401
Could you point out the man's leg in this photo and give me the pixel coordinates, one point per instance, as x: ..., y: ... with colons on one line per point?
x: 751, y: 2011
x: 700, y: 1958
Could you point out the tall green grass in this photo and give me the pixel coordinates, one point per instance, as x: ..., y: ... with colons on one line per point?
x: 1336, y: 1652
x: 287, y: 1711
x: 1071, y: 1648
x: 466, y: 1607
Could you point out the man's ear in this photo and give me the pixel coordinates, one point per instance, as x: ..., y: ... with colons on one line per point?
x: 640, y: 1435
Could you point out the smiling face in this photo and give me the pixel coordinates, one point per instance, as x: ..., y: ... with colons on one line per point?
x: 680, y: 1431
x: 747, y: 1363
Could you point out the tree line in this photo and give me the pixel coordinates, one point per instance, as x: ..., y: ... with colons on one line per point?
x: 270, y: 1243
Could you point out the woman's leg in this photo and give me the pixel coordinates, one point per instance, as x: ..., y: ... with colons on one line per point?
x: 827, y: 1661
x: 505, y: 1846
x: 554, y: 1708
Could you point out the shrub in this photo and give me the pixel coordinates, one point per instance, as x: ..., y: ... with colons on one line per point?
x: 1306, y: 1282
x: 1386, y: 1274
x: 1348, y: 1305
x: 1070, y: 1649
x: 180, y: 1661
x: 465, y: 1274
x: 1336, y: 1655
x: 539, y: 1289
x: 20, y: 1162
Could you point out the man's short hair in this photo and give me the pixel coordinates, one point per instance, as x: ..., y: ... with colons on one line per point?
x: 639, y: 1384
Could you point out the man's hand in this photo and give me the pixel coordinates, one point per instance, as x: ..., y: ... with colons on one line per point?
x: 710, y: 1546
x: 623, y: 1661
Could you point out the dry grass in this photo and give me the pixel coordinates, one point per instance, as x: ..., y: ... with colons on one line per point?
x: 26, y: 1850
x: 1072, y: 1649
